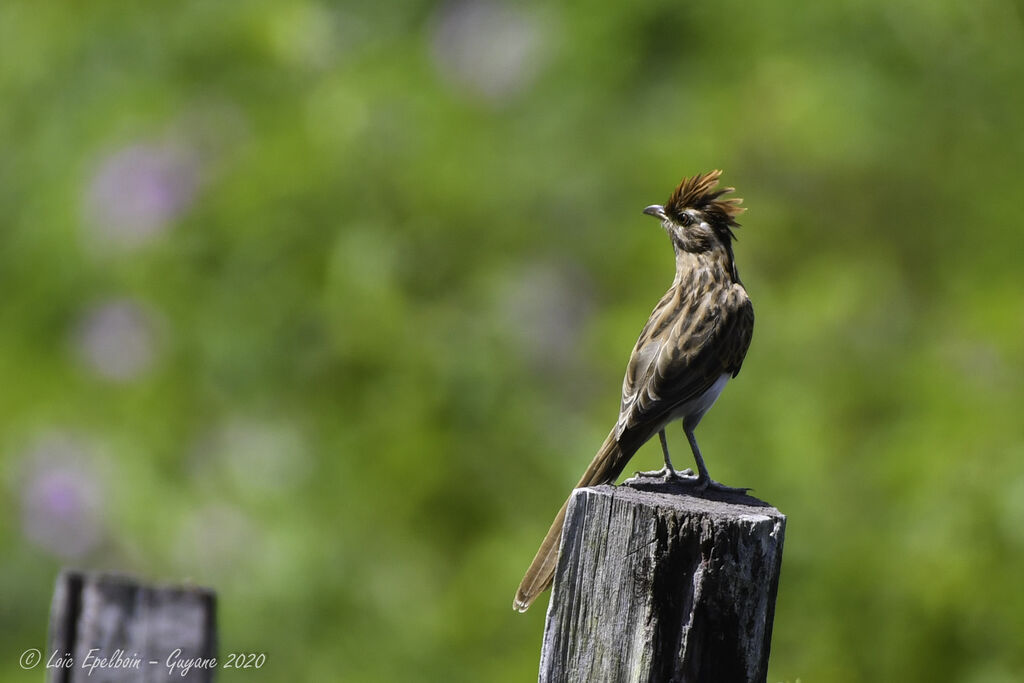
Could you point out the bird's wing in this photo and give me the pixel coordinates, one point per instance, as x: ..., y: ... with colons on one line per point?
x: 689, y: 341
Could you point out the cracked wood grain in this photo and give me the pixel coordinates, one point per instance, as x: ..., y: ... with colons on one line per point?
x: 128, y: 626
x: 654, y: 584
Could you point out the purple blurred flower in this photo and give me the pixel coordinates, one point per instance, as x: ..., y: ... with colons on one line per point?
x: 217, y: 540
x: 266, y: 457
x: 61, y: 500
x: 487, y: 47
x: 545, y: 310
x: 116, y: 340
x: 138, y: 190
x: 255, y: 456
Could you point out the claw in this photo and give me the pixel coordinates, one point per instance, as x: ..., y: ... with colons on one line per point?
x: 686, y: 477
x: 665, y: 474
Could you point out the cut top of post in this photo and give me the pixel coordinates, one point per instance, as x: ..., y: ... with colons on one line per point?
x: 656, y: 584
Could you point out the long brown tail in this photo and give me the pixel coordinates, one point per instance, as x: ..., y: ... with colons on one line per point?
x: 604, y: 468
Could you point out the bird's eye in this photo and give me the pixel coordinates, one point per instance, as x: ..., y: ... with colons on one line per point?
x: 685, y: 220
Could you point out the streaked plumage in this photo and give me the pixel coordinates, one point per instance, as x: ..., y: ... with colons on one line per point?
x: 694, y: 341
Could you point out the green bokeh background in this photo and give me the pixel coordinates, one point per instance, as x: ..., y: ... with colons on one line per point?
x: 327, y: 306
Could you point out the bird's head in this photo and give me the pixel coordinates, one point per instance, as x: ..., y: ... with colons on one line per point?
x: 695, y: 216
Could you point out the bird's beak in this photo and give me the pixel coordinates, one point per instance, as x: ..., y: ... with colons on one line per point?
x: 656, y: 210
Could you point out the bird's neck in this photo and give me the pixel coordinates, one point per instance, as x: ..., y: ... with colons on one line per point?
x: 717, y: 260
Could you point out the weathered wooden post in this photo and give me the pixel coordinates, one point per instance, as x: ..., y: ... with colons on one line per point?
x: 656, y: 585
x: 111, y: 629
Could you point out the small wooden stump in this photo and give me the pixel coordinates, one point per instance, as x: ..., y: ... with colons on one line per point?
x: 121, y: 631
x: 653, y: 584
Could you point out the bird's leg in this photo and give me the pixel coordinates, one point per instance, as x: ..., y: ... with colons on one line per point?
x: 704, y: 480
x: 671, y: 472
x: 668, y: 472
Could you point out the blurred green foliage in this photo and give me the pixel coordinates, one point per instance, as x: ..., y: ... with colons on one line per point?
x: 327, y: 306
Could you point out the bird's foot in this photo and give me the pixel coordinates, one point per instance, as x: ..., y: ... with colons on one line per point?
x: 665, y: 474
x: 685, y: 477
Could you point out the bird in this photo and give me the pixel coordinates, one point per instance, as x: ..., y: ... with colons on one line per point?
x: 693, y: 343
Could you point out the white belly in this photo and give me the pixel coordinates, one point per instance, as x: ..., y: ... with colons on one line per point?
x: 696, y: 408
